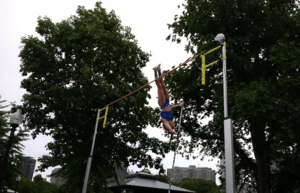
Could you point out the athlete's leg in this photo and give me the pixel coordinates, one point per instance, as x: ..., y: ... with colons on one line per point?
x: 173, y: 126
x: 164, y: 89
x: 167, y: 126
x: 157, y: 73
x: 166, y: 93
x: 161, y: 96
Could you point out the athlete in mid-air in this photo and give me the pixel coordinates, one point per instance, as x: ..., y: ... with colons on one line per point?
x: 163, y: 101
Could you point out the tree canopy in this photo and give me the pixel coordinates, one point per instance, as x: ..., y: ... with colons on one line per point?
x: 38, y: 185
x: 163, y: 178
x: 198, y: 185
x: 262, y: 40
x: 15, y: 157
x: 38, y: 178
x: 72, y: 69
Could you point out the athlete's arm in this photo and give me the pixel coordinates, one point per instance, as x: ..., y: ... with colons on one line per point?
x: 175, y: 106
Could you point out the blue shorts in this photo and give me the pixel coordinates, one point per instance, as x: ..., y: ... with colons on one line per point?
x: 166, y: 115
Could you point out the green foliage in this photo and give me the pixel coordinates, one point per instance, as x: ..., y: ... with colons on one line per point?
x: 4, y: 129
x: 38, y: 178
x: 163, y: 178
x: 104, y: 191
x: 26, y: 186
x: 74, y: 68
x: 46, y: 187
x: 146, y: 170
x: 199, y: 185
x: 263, y: 77
x: 3, y: 117
x: 15, y: 157
x: 37, y: 186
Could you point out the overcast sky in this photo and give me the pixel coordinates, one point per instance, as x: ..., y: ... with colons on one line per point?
x: 148, y: 21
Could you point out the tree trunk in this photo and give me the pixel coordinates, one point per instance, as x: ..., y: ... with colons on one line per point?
x: 260, y: 148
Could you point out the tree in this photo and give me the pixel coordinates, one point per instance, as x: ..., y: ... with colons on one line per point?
x: 199, y: 185
x: 15, y: 157
x: 163, y: 178
x: 74, y: 68
x: 38, y: 178
x: 286, y: 158
x: 146, y: 170
x: 3, y: 137
x: 26, y: 185
x: 263, y: 74
x: 45, y: 187
x: 38, y: 185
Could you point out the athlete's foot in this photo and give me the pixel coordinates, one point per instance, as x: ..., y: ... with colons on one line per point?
x: 157, y: 68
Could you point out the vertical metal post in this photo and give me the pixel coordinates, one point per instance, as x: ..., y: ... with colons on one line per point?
x: 228, y: 132
x: 88, y: 166
x: 229, y: 159
x: 224, y: 80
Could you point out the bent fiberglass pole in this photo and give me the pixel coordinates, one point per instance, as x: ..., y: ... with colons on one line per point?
x: 177, y: 141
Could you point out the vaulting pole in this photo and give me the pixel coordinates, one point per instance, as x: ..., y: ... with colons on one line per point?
x: 179, y: 126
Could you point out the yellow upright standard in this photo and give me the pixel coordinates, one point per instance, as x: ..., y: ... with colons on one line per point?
x: 105, y: 116
x: 205, y: 66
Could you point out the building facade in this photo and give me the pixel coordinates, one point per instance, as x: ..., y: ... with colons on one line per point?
x: 191, y: 172
x: 28, y: 167
x: 58, y: 181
